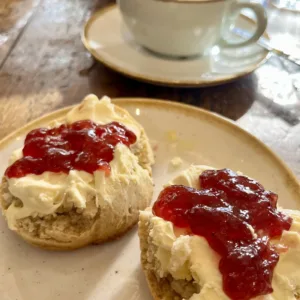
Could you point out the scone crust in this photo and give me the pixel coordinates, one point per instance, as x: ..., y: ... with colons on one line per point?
x: 160, y: 288
x: 96, y: 234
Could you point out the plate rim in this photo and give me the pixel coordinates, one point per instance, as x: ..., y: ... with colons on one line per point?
x: 187, y: 109
x: 151, y: 79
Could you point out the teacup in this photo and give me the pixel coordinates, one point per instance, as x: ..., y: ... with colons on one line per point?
x: 186, y: 27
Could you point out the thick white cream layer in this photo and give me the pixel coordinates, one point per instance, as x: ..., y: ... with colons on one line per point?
x: 44, y: 194
x: 101, y: 112
x: 190, y: 257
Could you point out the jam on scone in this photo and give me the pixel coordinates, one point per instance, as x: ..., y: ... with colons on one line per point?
x: 233, y: 217
x: 82, y: 180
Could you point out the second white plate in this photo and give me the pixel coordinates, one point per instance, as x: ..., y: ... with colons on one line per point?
x: 112, y: 271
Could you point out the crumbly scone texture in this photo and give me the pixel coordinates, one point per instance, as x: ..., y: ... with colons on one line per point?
x: 160, y: 287
x: 72, y: 228
x: 142, y: 149
x: 166, y: 288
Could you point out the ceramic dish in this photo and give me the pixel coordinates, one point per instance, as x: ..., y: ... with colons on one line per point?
x: 112, y: 271
x: 117, y: 49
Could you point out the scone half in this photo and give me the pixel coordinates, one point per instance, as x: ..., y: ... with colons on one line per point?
x: 68, y: 211
x: 180, y: 265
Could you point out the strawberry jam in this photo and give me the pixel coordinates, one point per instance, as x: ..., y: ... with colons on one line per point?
x: 83, y: 145
x: 222, y: 212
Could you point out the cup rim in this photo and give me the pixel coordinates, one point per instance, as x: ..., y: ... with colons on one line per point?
x: 190, y: 1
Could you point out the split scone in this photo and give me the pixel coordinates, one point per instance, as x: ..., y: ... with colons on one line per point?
x: 218, y: 235
x: 82, y: 180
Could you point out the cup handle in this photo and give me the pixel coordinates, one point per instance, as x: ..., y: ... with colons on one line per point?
x: 261, y: 24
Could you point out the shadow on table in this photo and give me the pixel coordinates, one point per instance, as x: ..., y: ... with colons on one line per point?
x: 231, y: 100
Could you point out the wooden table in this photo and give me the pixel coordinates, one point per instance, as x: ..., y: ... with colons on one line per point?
x: 44, y: 66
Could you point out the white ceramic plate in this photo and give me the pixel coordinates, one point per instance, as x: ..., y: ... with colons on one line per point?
x: 112, y: 271
x: 110, y: 43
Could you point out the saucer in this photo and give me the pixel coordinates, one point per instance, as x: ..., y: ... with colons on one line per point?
x: 107, y: 39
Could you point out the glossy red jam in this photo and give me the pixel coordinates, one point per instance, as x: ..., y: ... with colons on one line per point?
x: 83, y: 145
x: 221, y: 212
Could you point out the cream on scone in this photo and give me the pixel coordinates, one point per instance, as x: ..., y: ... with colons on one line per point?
x: 71, y: 209
x: 179, y: 264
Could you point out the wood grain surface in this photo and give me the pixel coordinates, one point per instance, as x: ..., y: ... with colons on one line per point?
x: 44, y: 66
